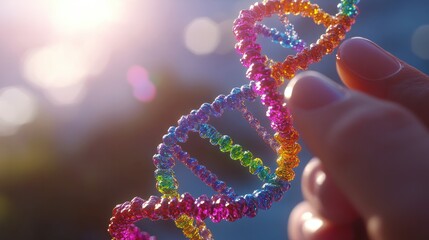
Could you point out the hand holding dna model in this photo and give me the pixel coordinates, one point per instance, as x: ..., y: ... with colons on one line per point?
x: 265, y: 76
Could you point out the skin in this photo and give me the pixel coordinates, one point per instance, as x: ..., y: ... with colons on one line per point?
x: 370, y: 176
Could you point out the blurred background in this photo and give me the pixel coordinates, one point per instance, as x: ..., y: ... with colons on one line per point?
x: 88, y: 88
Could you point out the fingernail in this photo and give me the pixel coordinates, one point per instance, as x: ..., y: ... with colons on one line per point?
x: 312, y: 90
x: 367, y: 60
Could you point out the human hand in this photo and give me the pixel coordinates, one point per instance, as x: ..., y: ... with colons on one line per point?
x: 371, y: 177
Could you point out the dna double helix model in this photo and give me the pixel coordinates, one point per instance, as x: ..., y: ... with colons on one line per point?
x: 266, y: 76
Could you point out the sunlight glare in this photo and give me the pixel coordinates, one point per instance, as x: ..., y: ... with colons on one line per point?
x: 17, y: 107
x: 73, y: 16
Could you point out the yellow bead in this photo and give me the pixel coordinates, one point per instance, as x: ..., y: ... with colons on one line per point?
x: 183, y: 221
x: 285, y: 174
x: 288, y: 162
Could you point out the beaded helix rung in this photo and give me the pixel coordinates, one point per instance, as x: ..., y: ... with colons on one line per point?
x: 266, y: 76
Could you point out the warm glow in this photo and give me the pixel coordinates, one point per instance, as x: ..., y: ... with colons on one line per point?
x: 17, y: 107
x: 202, y: 36
x: 62, y: 69
x: 56, y: 66
x: 73, y: 16
x: 67, y: 95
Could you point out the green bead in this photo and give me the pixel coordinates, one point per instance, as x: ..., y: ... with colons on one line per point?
x: 225, y: 143
x: 236, y: 152
x: 257, y: 162
x: 167, y: 185
x: 214, y: 139
x: 246, y: 159
x: 161, y: 174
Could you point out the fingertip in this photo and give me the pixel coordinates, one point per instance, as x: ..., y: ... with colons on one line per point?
x: 363, y: 65
x: 305, y: 224
x: 312, y: 90
x: 324, y: 195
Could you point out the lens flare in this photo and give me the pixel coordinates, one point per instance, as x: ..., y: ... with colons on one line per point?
x: 74, y: 16
x: 202, y: 36
x: 144, y: 90
x: 17, y: 107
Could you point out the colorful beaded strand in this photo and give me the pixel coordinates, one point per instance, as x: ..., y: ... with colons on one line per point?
x: 266, y: 76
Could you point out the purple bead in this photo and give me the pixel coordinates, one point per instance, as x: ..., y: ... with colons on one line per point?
x: 250, y: 56
x: 264, y: 199
x: 162, y: 209
x: 233, y: 101
x: 164, y: 150
x: 248, y: 92
x: 182, y: 156
x: 201, y: 172
x: 219, y: 186
x: 219, y: 210
x: 218, y: 105
x: 252, y: 206
x: 191, y: 163
x: 135, y: 207
x: 203, y: 207
x: 171, y: 129
x: 246, y: 45
x: 186, y: 204
x: 169, y: 139
x: 148, y: 208
x: 174, y: 208
x: 211, y: 179
x: 181, y: 134
x: 163, y: 162
x: 201, y: 116
x: 229, y: 191
x: 284, y: 185
x: 274, y: 190
x: 241, y: 204
x: 234, y: 212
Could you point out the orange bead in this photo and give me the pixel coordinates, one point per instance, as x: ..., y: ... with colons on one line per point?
x: 286, y: 174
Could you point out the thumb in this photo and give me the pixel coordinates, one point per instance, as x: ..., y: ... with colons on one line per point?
x: 375, y: 152
x: 364, y: 66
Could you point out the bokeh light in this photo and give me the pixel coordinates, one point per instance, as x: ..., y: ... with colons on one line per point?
x: 61, y: 69
x: 138, y: 77
x: 75, y: 16
x: 17, y: 107
x: 420, y: 42
x: 202, y: 36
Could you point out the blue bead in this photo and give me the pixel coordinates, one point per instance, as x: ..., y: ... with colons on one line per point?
x: 163, y: 162
x: 181, y: 134
x: 252, y: 207
x: 182, y: 156
x: 263, y: 199
x: 191, y: 163
x: 229, y: 191
x: 219, y: 185
x: 236, y: 90
x: 164, y: 173
x: 206, y: 108
x: 248, y: 92
x: 218, y: 105
x: 171, y: 129
x: 169, y: 139
x: 204, y: 130
x: 275, y: 191
x: 201, y: 171
x: 211, y: 179
x: 232, y: 101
